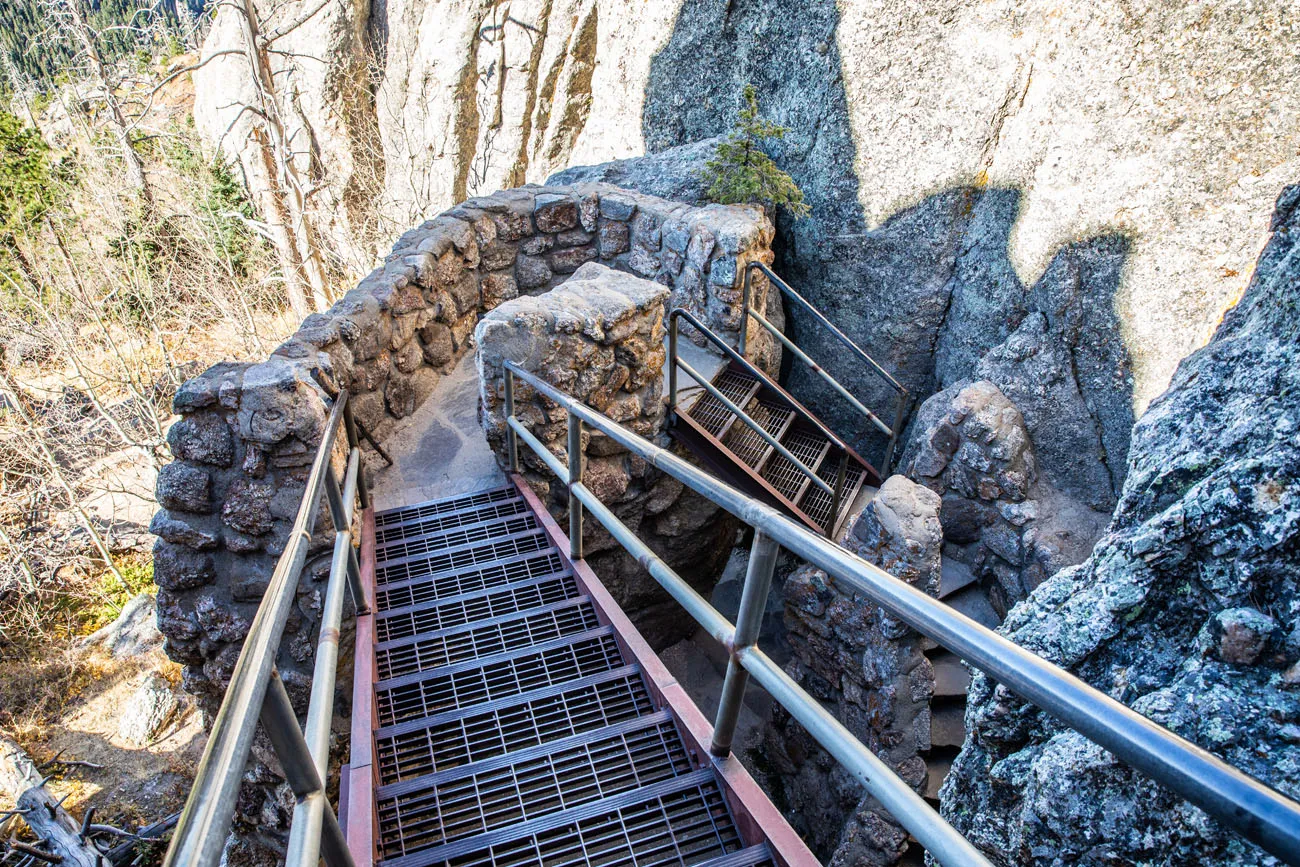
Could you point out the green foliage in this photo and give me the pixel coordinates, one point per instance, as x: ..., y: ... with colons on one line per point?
x: 25, y: 180
x: 742, y: 173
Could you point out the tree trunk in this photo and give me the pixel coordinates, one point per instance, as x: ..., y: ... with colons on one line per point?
x: 134, y: 167
x: 21, y: 782
x: 286, y: 182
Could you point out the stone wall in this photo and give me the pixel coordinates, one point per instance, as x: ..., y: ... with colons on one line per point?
x: 599, y: 336
x: 248, y: 432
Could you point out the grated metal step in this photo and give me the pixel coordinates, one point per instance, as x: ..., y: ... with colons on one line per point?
x: 750, y: 448
x: 458, y: 737
x: 462, y: 557
x: 440, y: 585
x: 413, y: 546
x: 482, y: 638
x: 738, y: 387
x: 754, y: 856
x: 816, y: 503
x: 787, y: 478
x: 441, y: 808
x: 683, y: 821
x: 436, y: 523
x: 416, y: 696
x: 402, y: 514
x: 479, y: 605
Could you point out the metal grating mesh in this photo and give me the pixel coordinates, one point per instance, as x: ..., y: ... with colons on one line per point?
x: 522, y: 629
x: 748, y: 446
x: 466, y: 738
x: 817, y: 503
x: 446, y: 561
x: 463, y: 518
x: 784, y: 475
x: 455, y: 611
x: 683, y: 827
x: 417, y: 545
x: 468, y: 685
x: 388, y: 517
x: 710, y: 412
x: 537, y: 784
x: 418, y: 592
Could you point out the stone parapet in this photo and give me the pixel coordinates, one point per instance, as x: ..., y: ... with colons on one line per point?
x: 248, y: 432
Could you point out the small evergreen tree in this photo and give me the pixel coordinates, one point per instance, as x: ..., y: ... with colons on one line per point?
x: 741, y: 173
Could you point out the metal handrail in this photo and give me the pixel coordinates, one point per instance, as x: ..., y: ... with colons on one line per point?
x: 1252, y: 809
x: 257, y: 693
x: 900, y: 402
x: 674, y: 361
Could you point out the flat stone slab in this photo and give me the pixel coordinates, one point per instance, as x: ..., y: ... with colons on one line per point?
x: 440, y: 450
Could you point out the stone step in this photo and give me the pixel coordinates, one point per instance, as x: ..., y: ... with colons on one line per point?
x: 951, y: 677
x: 936, y: 770
x: 947, y: 724
x: 955, y: 576
x: 974, y: 603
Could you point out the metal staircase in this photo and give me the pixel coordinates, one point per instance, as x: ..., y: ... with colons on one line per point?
x: 511, y: 722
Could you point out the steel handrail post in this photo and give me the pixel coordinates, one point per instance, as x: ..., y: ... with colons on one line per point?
x: 1260, y: 814
x: 900, y: 412
x: 351, y: 487
x: 201, y: 832
x: 672, y: 363
x: 512, y: 441
x: 305, y: 830
x: 547, y: 456
x: 749, y: 621
x: 354, y: 444
x: 837, y: 497
x: 745, y: 311
x: 323, y: 836
x: 575, y: 478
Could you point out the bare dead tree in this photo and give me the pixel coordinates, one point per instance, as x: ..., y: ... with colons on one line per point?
x: 67, y: 18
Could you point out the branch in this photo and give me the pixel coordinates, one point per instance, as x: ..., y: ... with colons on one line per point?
x: 281, y: 32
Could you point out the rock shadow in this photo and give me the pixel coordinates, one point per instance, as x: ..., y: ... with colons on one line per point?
x: 931, y: 293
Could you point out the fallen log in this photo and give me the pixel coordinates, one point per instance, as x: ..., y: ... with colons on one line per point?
x: 59, y: 834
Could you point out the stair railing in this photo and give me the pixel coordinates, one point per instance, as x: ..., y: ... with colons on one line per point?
x: 256, y: 692
x: 1256, y: 812
x: 674, y: 361
x: 901, y: 399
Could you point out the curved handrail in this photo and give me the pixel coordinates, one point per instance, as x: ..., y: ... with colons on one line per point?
x: 1260, y: 814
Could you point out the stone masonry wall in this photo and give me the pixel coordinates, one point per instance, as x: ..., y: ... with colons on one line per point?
x: 599, y: 336
x: 248, y: 432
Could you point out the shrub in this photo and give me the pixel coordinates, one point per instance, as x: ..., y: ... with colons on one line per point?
x: 742, y: 173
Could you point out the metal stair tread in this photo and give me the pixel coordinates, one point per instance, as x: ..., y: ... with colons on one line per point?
x: 453, y: 738
x: 386, y: 517
x: 520, y: 521
x: 469, y: 605
x: 709, y: 412
x: 450, y: 520
x: 491, y: 659
x: 754, y: 856
x: 529, y: 564
x: 462, y: 557
x: 515, y: 631
x: 528, y: 784
x: 702, y: 782
x: 779, y: 471
x: 745, y: 444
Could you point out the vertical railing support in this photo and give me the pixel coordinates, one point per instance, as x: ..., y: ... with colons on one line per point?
x: 575, y: 478
x: 342, y: 519
x: 672, y: 362
x: 900, y: 412
x: 838, y: 496
x: 753, y: 601
x: 281, y: 727
x: 354, y: 444
x: 512, y: 438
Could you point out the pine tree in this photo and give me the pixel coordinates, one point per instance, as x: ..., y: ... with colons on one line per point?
x: 742, y: 173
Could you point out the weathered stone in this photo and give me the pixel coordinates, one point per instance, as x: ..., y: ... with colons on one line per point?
x: 147, y: 711
x: 498, y: 288
x: 573, y: 238
x: 176, y: 567
x: 203, y: 438
x: 436, y: 344
x: 183, y: 487
x: 497, y: 255
x: 219, y: 621
x: 248, y: 507
x: 569, y: 260
x: 555, y: 213
x: 531, y: 272
x: 616, y: 206
x: 1240, y: 635
x: 180, y: 531
x: 408, y: 359
x: 399, y: 394
x: 536, y: 245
